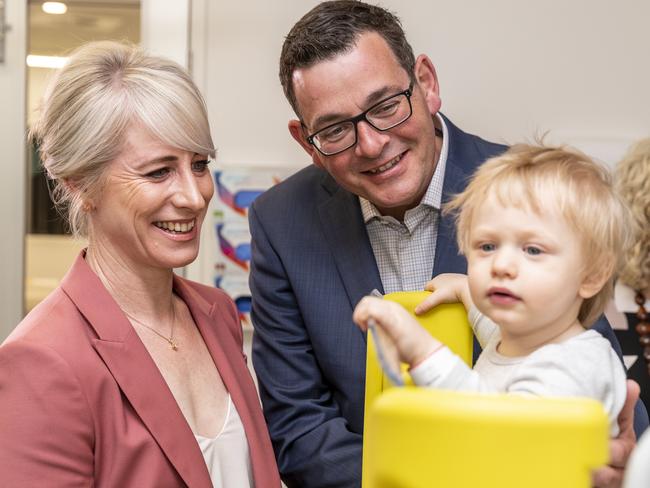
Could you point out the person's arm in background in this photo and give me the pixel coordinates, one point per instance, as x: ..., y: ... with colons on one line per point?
x: 312, y: 443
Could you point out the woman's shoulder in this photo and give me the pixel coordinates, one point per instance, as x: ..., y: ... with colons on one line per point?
x: 210, y: 294
x: 208, y: 297
x: 214, y: 302
x: 53, y: 322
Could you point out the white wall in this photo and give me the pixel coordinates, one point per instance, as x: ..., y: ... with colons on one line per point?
x: 12, y: 183
x: 164, y: 28
x: 508, y: 70
x: 248, y: 112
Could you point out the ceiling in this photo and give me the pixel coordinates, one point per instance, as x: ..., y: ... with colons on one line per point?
x: 56, y: 35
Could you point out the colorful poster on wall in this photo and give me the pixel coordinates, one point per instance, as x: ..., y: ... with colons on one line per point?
x: 236, y: 189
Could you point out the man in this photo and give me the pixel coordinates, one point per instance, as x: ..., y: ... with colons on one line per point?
x: 366, y: 215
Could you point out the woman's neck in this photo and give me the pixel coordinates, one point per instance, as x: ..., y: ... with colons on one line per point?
x: 142, y: 292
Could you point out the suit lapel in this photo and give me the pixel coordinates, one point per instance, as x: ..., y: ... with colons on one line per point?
x: 462, y: 159
x: 447, y: 258
x: 346, y: 235
x: 136, y: 373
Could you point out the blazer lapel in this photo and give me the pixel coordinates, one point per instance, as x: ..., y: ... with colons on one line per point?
x: 346, y: 235
x: 136, y: 373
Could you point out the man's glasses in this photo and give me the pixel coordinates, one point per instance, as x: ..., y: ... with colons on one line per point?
x: 384, y: 115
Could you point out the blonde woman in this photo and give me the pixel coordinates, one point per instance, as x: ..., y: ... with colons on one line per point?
x: 128, y: 375
x: 629, y: 311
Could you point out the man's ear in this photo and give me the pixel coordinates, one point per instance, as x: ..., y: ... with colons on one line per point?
x: 427, y: 79
x: 297, y: 131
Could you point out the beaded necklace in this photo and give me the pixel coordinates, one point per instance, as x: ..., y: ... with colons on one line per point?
x: 643, y: 327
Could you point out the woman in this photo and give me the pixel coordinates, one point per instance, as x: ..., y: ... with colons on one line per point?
x: 128, y: 375
x: 629, y: 314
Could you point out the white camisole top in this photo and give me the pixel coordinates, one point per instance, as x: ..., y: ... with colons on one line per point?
x: 227, y: 455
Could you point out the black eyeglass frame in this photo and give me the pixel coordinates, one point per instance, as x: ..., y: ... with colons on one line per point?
x: 408, y: 93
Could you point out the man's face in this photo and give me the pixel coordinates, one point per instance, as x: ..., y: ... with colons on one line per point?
x: 393, y: 168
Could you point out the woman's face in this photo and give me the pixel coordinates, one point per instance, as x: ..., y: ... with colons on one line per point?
x: 149, y: 212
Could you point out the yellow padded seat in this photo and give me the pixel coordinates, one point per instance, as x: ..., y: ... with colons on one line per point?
x: 419, y: 438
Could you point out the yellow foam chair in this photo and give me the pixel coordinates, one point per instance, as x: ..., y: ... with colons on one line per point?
x: 417, y: 437
x: 448, y: 323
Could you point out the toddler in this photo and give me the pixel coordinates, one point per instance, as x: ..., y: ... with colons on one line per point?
x: 542, y: 231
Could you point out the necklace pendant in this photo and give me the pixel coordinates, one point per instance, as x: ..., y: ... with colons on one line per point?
x: 173, y: 345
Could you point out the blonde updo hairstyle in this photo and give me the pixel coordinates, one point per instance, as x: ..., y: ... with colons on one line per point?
x: 633, y: 184
x: 91, y: 102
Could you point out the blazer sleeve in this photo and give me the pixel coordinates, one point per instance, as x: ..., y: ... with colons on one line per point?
x: 312, y: 443
x: 46, y: 426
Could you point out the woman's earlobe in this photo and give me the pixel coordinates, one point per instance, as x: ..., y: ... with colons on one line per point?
x: 88, y: 206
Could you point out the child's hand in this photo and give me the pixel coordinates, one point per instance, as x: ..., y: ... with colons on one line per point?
x: 446, y: 288
x: 413, y: 343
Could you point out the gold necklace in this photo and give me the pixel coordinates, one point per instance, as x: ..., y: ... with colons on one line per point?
x: 170, y: 340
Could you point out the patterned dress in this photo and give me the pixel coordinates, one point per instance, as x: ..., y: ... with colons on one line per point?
x: 622, y: 315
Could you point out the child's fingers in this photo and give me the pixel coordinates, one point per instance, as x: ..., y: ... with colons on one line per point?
x: 360, y: 314
x: 436, y: 298
x: 445, y: 288
x: 368, y: 307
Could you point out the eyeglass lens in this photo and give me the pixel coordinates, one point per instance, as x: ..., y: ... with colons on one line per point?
x: 386, y: 115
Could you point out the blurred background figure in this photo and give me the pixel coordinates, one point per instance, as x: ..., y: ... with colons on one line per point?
x: 628, y: 313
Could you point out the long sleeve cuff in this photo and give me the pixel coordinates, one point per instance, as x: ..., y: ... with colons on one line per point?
x: 433, y: 370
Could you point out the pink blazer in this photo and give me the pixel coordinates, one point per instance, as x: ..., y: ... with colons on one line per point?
x: 83, y: 404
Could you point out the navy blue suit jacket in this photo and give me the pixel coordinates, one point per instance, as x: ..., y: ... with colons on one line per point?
x: 312, y: 263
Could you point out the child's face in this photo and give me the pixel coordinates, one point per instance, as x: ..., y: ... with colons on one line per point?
x: 524, y: 270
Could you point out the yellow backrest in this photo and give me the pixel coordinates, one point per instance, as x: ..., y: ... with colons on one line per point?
x: 417, y: 438
x: 448, y: 323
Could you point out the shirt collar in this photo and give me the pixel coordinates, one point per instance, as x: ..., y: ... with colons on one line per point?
x: 433, y: 196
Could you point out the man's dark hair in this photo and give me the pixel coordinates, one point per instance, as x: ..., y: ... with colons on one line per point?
x: 332, y: 28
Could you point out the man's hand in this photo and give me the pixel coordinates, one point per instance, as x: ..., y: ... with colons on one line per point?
x: 620, y: 448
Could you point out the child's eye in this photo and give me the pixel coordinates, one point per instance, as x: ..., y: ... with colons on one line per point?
x: 200, y: 166
x: 487, y: 247
x: 533, y: 250
x: 158, y: 174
